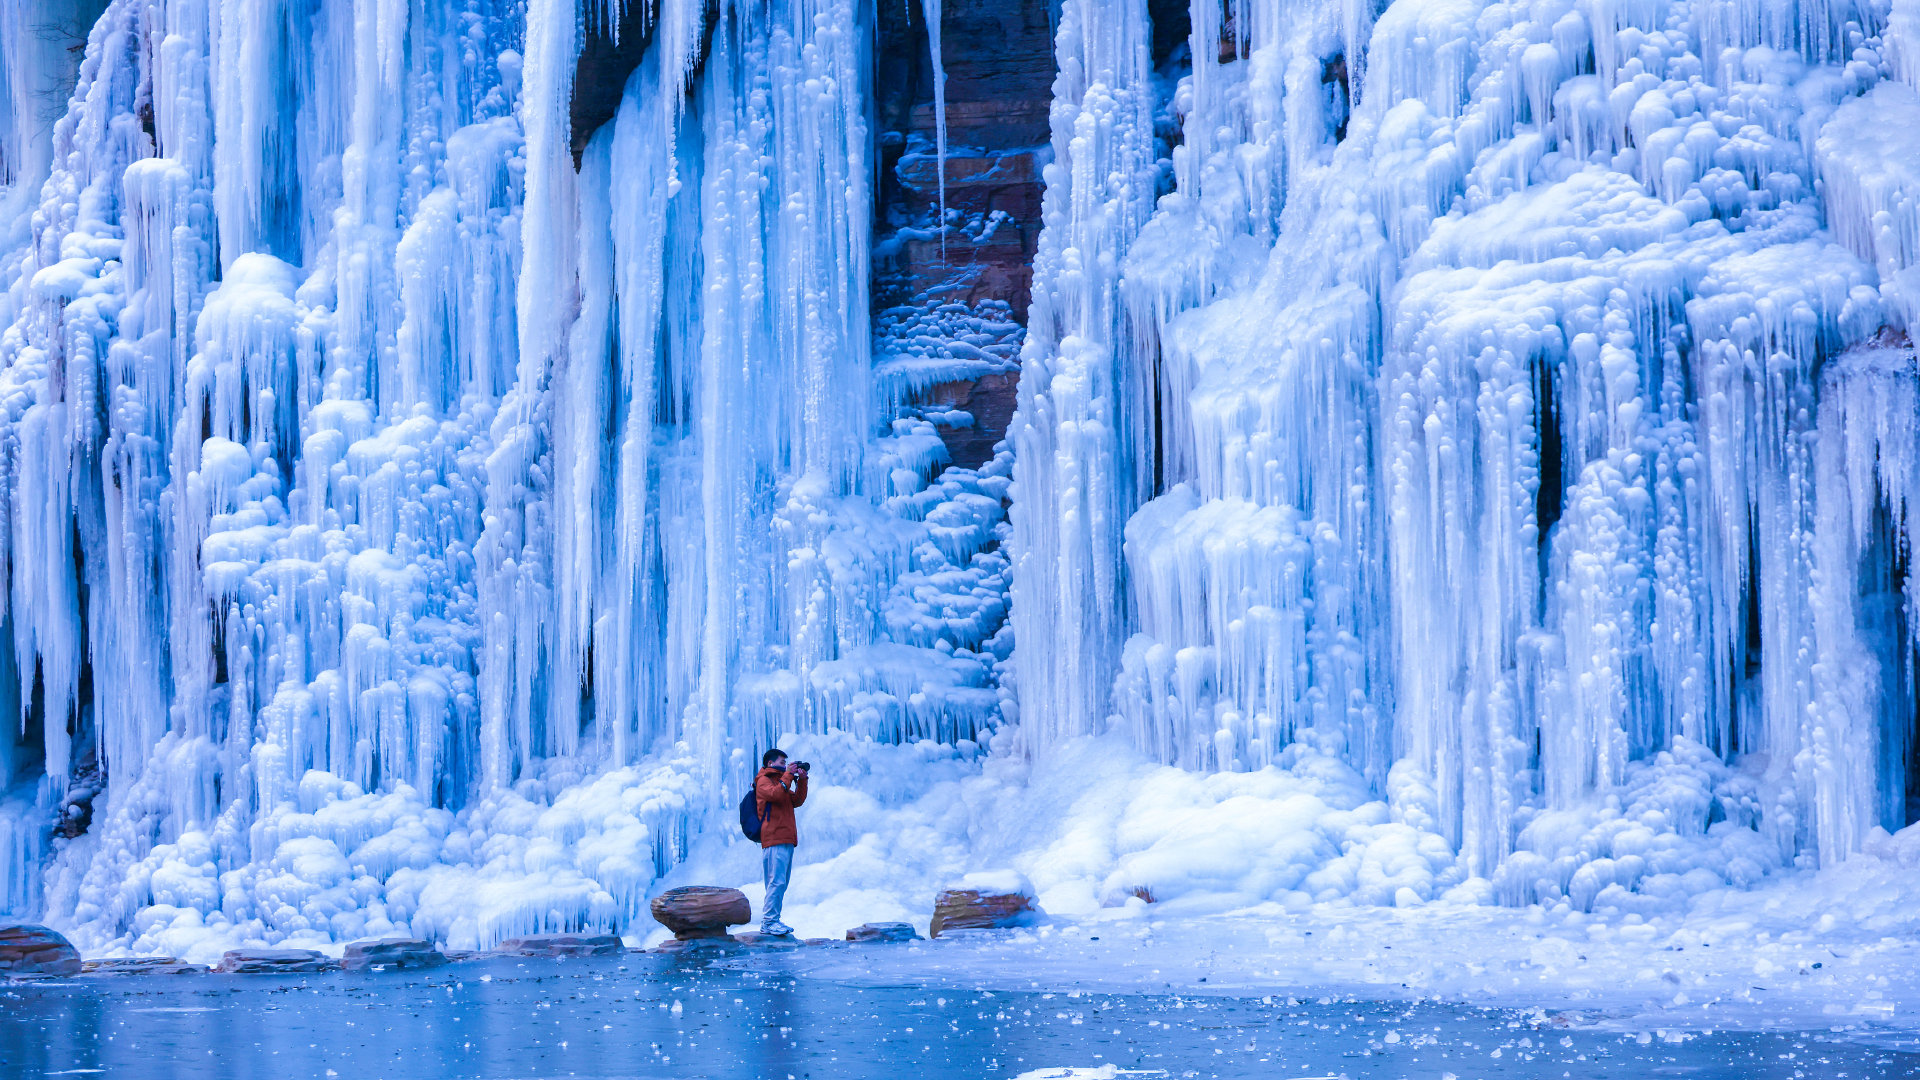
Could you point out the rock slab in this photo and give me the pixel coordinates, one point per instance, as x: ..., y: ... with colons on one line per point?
x: 701, y: 911
x: 142, y: 965
x: 698, y: 946
x: 402, y: 953
x: 561, y: 945
x: 274, y: 962
x: 883, y: 931
x: 771, y: 941
x: 26, y: 949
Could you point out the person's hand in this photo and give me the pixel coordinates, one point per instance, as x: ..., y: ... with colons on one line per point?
x: 797, y: 771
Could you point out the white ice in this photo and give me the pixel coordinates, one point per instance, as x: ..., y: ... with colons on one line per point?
x: 1469, y: 465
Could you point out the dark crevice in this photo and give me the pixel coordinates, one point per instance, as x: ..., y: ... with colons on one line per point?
x: 1172, y: 27
x: 1550, y: 495
x: 600, y: 73
x: 1337, y: 95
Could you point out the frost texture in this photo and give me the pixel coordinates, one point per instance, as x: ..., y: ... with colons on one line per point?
x: 409, y: 532
x: 1474, y: 439
x: 1474, y: 403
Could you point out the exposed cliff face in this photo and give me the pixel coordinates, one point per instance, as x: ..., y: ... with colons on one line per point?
x: 999, y: 70
x: 609, y: 51
x: 997, y: 85
x: 974, y: 264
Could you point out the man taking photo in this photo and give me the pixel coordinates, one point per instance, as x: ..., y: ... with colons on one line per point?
x: 776, y: 791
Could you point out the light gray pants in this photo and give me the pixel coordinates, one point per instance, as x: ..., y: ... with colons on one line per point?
x: 777, y: 861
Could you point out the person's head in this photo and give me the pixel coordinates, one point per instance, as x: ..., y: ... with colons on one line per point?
x: 774, y: 759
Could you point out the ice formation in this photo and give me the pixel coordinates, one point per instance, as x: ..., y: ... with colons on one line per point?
x: 1438, y: 433
x: 404, y: 522
x: 1475, y: 400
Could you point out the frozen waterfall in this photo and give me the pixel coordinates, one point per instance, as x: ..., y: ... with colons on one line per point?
x: 418, y: 514
x: 1474, y: 406
x: 390, y: 496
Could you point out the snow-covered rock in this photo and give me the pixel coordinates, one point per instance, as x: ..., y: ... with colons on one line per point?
x: 275, y: 962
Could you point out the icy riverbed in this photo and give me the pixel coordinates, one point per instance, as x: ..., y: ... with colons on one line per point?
x: 1739, y: 971
x: 799, y: 1015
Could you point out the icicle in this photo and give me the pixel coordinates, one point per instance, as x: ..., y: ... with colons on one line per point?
x: 930, y: 9
x: 389, y: 504
x: 1078, y: 433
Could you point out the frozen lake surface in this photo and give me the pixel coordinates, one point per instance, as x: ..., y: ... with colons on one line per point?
x: 767, y: 1016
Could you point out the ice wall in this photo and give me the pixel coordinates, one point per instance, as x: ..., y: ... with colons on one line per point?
x: 1471, y: 403
x: 408, y: 531
x: 409, y: 528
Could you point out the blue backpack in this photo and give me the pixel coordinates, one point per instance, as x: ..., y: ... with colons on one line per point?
x: 750, y: 816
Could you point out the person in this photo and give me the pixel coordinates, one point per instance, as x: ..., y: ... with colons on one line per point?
x: 777, y: 790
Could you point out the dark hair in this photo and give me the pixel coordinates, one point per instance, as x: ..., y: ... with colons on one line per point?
x: 767, y: 758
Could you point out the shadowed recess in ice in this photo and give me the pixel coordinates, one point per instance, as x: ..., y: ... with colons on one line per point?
x: 1487, y: 426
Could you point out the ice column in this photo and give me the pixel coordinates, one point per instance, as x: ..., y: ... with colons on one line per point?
x: 1080, y: 437
x: 1482, y: 362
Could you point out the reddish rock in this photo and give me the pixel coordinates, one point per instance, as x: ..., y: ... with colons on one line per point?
x: 701, y: 911
x: 990, y: 400
x: 142, y: 965
x: 561, y: 945
x: 984, y: 902
x: 26, y: 949
x: 401, y: 953
x: 274, y: 962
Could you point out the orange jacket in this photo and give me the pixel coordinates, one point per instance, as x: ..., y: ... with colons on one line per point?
x: 775, y: 802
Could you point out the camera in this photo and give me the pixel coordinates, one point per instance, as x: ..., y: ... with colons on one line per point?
x: 791, y: 766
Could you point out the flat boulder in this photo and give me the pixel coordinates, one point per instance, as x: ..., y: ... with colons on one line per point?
x: 402, y: 953
x: 883, y: 931
x: 561, y: 945
x: 985, y: 901
x: 701, y: 911
x: 274, y: 962
x: 142, y: 965
x: 771, y: 941
x: 698, y: 946
x: 26, y: 949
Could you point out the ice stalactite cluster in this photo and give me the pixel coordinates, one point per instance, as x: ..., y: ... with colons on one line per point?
x: 1473, y: 406
x: 408, y: 530
x: 1495, y: 417
x: 1078, y: 437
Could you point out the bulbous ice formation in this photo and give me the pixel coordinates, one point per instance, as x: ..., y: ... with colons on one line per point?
x: 416, y: 512
x: 1470, y: 413
x: 411, y: 530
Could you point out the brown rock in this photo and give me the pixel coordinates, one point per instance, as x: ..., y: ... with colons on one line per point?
x: 142, y: 965
x: 701, y: 911
x: 561, y: 945
x: 883, y: 931
x: 26, y: 949
x: 973, y: 909
x: 990, y: 399
x: 274, y: 962
x: 402, y: 953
